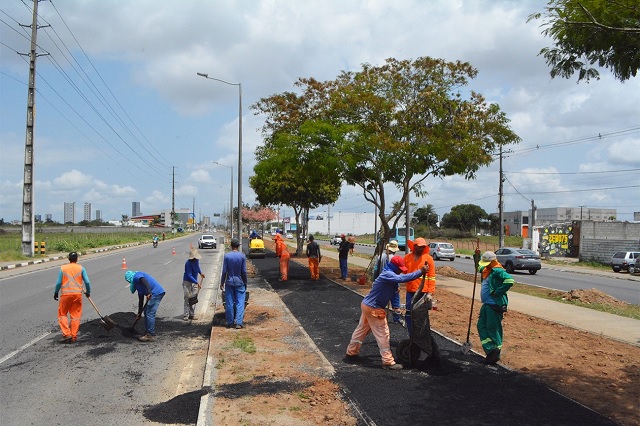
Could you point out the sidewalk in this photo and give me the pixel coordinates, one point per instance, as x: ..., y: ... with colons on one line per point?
x: 615, y: 327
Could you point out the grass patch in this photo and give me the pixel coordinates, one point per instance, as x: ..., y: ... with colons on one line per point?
x: 627, y: 310
x: 65, y: 242
x: 245, y: 344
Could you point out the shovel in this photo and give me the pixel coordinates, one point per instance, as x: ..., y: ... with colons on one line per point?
x: 466, y: 346
x: 133, y: 327
x: 106, y: 322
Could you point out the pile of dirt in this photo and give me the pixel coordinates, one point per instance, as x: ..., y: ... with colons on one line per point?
x: 448, y: 271
x: 590, y: 296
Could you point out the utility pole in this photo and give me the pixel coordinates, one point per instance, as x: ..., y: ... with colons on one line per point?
x: 28, y: 216
x: 173, y: 198
x: 193, y: 213
x: 500, y: 205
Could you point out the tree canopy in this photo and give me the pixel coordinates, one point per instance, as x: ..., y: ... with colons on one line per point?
x: 464, y: 217
x: 426, y: 216
x: 410, y: 119
x: 588, y: 32
x: 380, y: 127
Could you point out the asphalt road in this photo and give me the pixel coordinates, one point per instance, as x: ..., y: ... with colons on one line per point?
x: 106, y: 377
x: 556, y: 278
x: 458, y: 389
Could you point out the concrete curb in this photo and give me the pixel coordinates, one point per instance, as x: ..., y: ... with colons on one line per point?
x: 9, y: 265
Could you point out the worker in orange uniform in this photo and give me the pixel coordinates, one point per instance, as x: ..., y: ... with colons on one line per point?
x: 314, y: 255
x: 419, y: 256
x: 283, y: 254
x: 70, y: 282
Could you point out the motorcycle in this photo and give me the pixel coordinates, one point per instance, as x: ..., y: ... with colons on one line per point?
x: 155, y: 243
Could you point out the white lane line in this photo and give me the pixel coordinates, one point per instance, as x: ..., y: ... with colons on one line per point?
x: 23, y: 347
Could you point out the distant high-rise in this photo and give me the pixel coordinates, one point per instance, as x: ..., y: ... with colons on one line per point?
x: 99, y: 215
x: 87, y: 212
x: 70, y: 212
x: 48, y: 217
x: 135, y: 209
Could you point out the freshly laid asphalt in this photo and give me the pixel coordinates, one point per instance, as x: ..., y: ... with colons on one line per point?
x: 458, y: 389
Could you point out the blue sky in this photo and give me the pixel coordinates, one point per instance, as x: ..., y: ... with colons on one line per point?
x: 114, y: 119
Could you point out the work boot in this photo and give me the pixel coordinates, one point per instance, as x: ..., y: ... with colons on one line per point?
x: 147, y: 338
x: 392, y: 366
x: 492, y: 357
x: 65, y: 339
x: 351, y: 359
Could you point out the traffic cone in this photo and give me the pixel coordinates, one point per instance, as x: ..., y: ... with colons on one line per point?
x: 173, y: 251
x: 124, y: 263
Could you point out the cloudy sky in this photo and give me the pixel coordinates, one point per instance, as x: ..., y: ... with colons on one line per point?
x: 119, y: 104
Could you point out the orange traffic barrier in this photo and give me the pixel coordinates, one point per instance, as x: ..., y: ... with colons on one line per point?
x: 124, y: 263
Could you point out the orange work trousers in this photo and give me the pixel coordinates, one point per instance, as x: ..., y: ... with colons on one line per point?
x: 71, y: 305
x: 372, y: 320
x: 284, y: 265
x: 314, y: 267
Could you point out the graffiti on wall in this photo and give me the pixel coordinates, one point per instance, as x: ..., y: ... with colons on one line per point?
x: 556, y: 240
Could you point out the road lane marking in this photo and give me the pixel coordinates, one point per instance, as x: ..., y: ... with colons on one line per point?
x: 23, y: 347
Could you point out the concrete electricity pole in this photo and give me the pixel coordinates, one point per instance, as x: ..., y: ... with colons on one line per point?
x: 28, y: 216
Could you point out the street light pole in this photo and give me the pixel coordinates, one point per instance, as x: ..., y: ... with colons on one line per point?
x: 239, y: 223
x: 230, y: 199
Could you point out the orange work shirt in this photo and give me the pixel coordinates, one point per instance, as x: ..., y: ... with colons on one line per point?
x: 413, y: 265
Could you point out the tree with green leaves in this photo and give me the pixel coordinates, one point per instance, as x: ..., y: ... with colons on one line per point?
x: 588, y: 32
x: 426, y: 216
x: 298, y: 170
x: 465, y: 217
x: 407, y: 120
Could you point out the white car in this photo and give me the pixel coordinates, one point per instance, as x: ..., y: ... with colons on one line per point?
x: 289, y: 235
x: 442, y: 251
x: 207, y: 241
x: 336, y: 240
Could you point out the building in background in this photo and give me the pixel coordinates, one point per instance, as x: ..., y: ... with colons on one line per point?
x: 37, y: 218
x: 325, y: 223
x: 518, y: 222
x: 48, y: 217
x: 87, y: 212
x: 98, y: 215
x: 135, y: 209
x: 70, y: 212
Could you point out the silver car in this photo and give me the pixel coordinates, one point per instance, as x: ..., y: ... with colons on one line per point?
x: 519, y: 259
x: 625, y: 261
x: 442, y: 251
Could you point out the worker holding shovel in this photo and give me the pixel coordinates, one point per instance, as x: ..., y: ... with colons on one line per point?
x: 148, y: 287
x: 70, y: 280
x: 493, y: 294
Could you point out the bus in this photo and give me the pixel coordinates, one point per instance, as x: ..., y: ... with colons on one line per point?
x: 399, y: 234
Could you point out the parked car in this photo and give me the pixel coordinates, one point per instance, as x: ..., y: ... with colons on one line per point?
x: 207, y: 241
x: 256, y: 248
x: 442, y: 251
x: 625, y: 261
x: 519, y: 259
x: 336, y: 240
x: 289, y: 235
